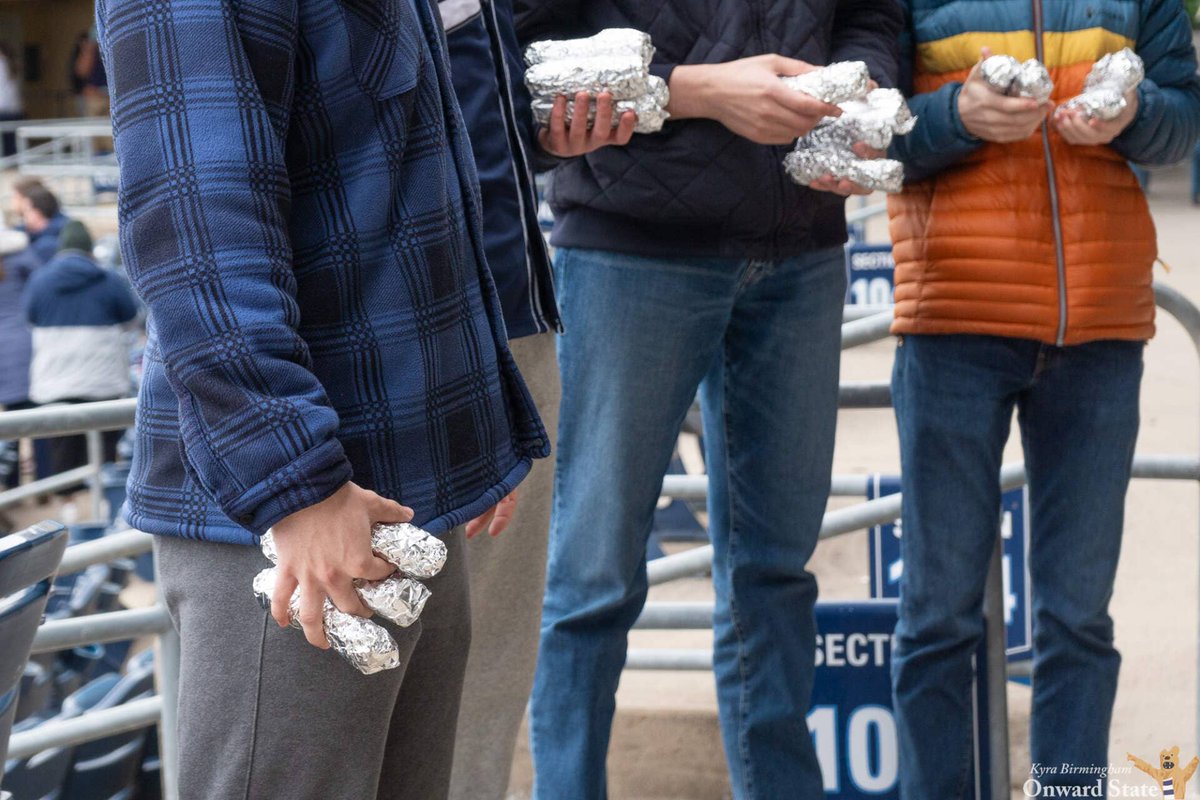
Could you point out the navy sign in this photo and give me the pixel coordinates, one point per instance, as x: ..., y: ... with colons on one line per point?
x: 887, y: 565
x: 851, y: 719
x: 870, y: 275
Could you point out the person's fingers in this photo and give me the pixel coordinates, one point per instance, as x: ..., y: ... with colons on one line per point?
x: 782, y: 65
x: 373, y: 568
x: 285, y: 586
x: 625, y: 128
x: 864, y: 150
x: 577, y: 135
x: 385, y: 510
x: 802, y: 104
x: 346, y: 599
x: 480, y: 523
x: 602, y: 128
x: 556, y: 135
x: 312, y: 616
x: 504, y: 515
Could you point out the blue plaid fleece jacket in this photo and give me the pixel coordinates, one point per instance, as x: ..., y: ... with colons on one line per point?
x: 299, y: 211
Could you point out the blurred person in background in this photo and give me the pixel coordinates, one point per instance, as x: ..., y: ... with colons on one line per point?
x: 89, y: 70
x: 78, y: 311
x: 73, y: 80
x: 15, y: 343
x: 487, y: 71
x: 39, y: 215
x: 1024, y: 252
x: 11, y: 105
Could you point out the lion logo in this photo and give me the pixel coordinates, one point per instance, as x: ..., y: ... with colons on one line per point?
x: 1172, y: 778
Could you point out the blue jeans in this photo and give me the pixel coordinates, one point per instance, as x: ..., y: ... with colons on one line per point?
x: 762, y: 341
x: 1078, y: 412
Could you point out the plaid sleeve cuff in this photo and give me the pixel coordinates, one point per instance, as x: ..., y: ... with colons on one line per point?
x: 308, y: 480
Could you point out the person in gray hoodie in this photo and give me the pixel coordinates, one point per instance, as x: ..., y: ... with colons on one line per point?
x: 78, y: 311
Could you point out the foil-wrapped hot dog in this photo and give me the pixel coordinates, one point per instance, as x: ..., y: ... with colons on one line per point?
x: 1110, y: 79
x: 368, y: 647
x: 650, y: 108
x: 610, y: 41
x: 624, y: 76
x: 1008, y: 76
x: 836, y: 83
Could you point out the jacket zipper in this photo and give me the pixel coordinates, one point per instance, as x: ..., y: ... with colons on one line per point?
x: 1060, y: 336
x: 780, y: 185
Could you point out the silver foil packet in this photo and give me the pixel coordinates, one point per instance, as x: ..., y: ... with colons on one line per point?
x: 806, y: 166
x: 828, y: 148
x: 368, y: 647
x: 625, y: 76
x: 608, y: 42
x: 651, y: 109
x: 1111, y: 78
x: 836, y: 83
x: 413, y: 551
x: 1008, y: 76
x: 396, y: 599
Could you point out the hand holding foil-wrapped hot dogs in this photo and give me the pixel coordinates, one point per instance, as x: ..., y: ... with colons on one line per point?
x: 830, y: 148
x: 615, y: 61
x: 1004, y: 100
x: 399, y: 598
x: 1110, y: 81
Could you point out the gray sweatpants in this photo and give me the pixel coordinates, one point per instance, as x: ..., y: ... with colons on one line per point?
x: 508, y: 579
x: 265, y: 715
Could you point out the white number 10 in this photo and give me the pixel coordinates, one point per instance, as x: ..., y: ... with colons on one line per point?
x: 864, y: 723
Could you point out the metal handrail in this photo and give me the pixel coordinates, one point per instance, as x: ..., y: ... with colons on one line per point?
x: 88, y: 727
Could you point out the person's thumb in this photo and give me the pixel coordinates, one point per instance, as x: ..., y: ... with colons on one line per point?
x: 790, y: 66
x: 385, y: 510
x: 976, y: 71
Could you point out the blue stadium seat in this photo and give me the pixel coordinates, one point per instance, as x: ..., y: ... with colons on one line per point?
x: 27, y: 561
x: 37, y: 687
x: 104, y: 768
x: 41, y: 776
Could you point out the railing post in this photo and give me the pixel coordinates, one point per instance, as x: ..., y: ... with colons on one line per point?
x: 95, y: 448
x: 997, y: 675
x: 167, y: 678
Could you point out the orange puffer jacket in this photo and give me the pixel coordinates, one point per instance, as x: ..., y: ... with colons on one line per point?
x: 1038, y: 239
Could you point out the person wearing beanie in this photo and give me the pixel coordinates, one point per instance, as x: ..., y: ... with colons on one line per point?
x: 78, y: 311
x: 15, y: 346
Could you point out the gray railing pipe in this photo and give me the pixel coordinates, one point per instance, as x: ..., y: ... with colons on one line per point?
x: 86, y: 728
x: 112, y: 626
x: 124, y: 544
x: 68, y: 419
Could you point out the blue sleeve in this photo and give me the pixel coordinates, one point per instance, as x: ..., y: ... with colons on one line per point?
x: 124, y: 305
x: 1168, y: 120
x: 940, y: 139
x: 29, y: 304
x: 867, y: 30
x: 201, y: 92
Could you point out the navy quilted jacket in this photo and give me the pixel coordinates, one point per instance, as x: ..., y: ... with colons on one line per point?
x: 300, y: 213
x: 696, y: 188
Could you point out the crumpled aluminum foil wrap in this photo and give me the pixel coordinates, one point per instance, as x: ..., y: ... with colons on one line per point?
x: 396, y: 599
x: 1008, y: 76
x: 1111, y: 78
x: 413, y: 551
x: 610, y: 41
x: 368, y: 647
x: 837, y: 83
x: 624, y: 76
x: 884, y: 174
x: 615, y: 60
x: 828, y: 148
x: 651, y: 109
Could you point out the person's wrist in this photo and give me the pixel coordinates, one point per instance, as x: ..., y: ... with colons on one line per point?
x: 689, y: 89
